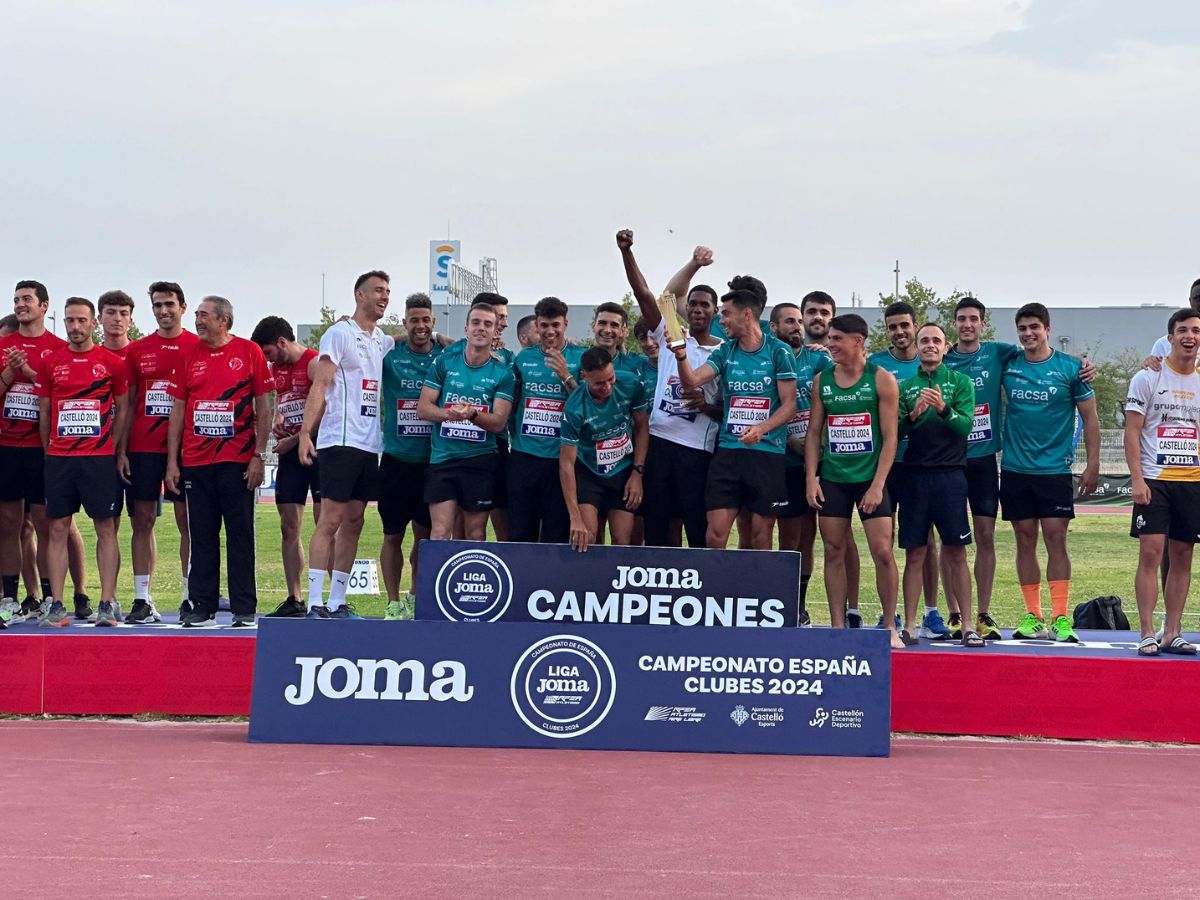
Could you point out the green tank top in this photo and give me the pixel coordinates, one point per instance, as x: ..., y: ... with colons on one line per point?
x: 852, y: 436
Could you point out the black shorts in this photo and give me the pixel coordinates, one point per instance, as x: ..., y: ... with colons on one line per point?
x: 294, y: 481
x: 125, y: 498
x: 983, y: 486
x: 899, y: 481
x: 348, y: 473
x: 72, y: 481
x: 1036, y: 496
x: 402, y: 494
x: 1173, y: 510
x: 842, y: 498
x: 470, y: 482
x: 606, y: 494
x: 501, y: 489
x: 747, y: 479
x: 21, y: 475
x: 146, y: 471
x: 797, y: 502
x: 936, y: 497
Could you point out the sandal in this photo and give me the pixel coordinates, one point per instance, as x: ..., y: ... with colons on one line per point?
x: 1178, y: 646
x: 909, y: 640
x: 972, y: 639
x: 1148, y: 646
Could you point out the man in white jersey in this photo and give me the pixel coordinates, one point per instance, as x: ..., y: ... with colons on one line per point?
x: 1162, y: 448
x: 344, y: 399
x: 683, y: 424
x: 1162, y: 347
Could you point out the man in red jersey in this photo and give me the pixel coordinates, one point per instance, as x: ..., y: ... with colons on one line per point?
x: 220, y: 420
x: 152, y: 364
x: 292, y: 366
x: 81, y: 394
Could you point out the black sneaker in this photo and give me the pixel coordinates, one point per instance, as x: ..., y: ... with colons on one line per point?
x: 31, y: 608
x: 83, y: 607
x: 854, y: 620
x: 318, y: 612
x: 185, y: 610
x: 805, y: 619
x: 291, y: 608
x: 200, y: 620
x: 143, y: 613
x: 241, y: 620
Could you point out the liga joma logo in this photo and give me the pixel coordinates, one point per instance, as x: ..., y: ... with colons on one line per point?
x: 563, y: 686
x: 473, y: 586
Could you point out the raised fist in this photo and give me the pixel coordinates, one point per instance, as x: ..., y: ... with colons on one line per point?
x: 625, y: 238
x: 702, y: 256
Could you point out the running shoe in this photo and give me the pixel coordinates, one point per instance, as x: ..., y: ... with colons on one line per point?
x: 1064, y: 633
x: 934, y: 627
x: 805, y: 620
x: 244, y: 620
x: 200, y: 619
x: 106, y: 616
x: 987, y: 628
x: 185, y: 610
x: 291, y: 608
x: 394, y: 611
x: 879, y: 624
x: 10, y: 612
x: 345, y: 611
x: 31, y: 609
x: 955, y: 626
x: 854, y: 620
x: 56, y: 615
x: 83, y: 608
x: 143, y: 613
x: 1032, y: 628
x: 318, y: 612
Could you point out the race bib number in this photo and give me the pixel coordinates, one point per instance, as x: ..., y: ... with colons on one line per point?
x: 79, y: 418
x: 851, y: 434
x: 798, y: 427
x: 21, y: 403
x: 291, y: 408
x: 541, y: 417
x: 746, y: 411
x: 672, y: 400
x: 464, y: 430
x: 407, y: 423
x: 368, y: 405
x: 981, y: 424
x: 610, y: 452
x: 158, y: 401
x: 1177, y: 445
x: 213, y: 419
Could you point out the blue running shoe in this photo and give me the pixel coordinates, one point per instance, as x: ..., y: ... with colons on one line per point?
x: 345, y: 611
x: 879, y: 624
x: 934, y: 627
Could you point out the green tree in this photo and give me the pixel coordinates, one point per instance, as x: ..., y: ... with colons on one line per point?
x: 135, y: 334
x: 634, y: 312
x: 328, y: 317
x: 392, y: 325
x: 928, y: 307
x: 1112, y: 383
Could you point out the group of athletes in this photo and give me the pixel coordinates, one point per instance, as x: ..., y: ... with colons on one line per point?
x: 736, y: 419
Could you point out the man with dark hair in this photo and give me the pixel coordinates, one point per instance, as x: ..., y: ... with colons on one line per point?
x: 683, y: 423
x: 9, y: 607
x: 610, y: 329
x: 1043, y: 390
x: 1162, y: 347
x: 545, y: 376
x: 291, y: 366
x: 342, y: 409
x: 1162, y: 448
x: 219, y: 425
x: 605, y: 434
x: 937, y: 408
x: 527, y: 332
x: 855, y: 409
x: 755, y: 372
x: 648, y: 370
x: 406, y: 448
x: 153, y: 365
x: 115, y: 312
x: 82, y: 394
x: 468, y: 397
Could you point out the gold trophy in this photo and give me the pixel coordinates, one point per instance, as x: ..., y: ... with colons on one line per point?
x: 672, y: 326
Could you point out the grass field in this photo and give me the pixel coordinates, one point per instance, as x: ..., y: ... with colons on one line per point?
x: 1104, y: 561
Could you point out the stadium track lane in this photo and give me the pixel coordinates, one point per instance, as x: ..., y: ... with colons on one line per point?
x: 193, y: 810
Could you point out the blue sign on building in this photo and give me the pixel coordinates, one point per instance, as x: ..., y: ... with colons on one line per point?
x: 736, y: 690
x: 465, y: 581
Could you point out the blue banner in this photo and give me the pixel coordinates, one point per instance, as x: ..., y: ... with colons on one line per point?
x: 734, y: 690
x: 466, y: 581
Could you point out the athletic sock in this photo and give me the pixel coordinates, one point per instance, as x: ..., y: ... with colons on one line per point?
x: 316, y: 587
x: 185, y: 598
x: 45, y: 587
x: 337, y: 589
x: 141, y: 587
x: 1060, y: 597
x: 10, y: 583
x: 1033, y: 598
x: 851, y: 611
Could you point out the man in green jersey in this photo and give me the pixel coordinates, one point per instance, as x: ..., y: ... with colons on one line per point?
x: 936, y: 410
x: 1042, y: 391
x: 855, y: 409
x: 406, y: 447
x: 610, y: 328
x: 649, y: 361
x: 900, y: 359
x: 756, y: 375
x: 468, y: 396
x: 605, y: 436
x: 545, y: 376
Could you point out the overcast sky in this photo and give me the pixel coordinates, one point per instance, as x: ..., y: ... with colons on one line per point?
x: 1043, y: 150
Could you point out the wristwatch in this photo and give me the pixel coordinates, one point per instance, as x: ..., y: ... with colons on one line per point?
x: 262, y: 456
x: 474, y: 413
x: 640, y: 468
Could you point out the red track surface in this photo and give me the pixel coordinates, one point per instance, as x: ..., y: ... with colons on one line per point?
x: 103, y: 809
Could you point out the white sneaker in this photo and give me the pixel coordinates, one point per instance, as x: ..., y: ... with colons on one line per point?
x: 10, y: 611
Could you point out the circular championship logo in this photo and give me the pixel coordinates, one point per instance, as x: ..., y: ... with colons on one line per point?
x: 563, y: 686
x: 473, y: 586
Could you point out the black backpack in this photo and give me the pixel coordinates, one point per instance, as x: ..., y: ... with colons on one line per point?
x: 1101, y: 614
